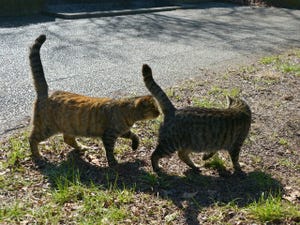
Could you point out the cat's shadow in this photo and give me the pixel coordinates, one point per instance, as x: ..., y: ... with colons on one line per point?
x: 190, y: 193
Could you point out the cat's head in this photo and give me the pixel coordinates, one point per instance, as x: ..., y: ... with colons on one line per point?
x: 147, y: 107
x: 238, y: 103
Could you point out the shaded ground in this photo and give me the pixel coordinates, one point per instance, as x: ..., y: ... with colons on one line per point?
x: 105, y: 6
x: 270, y: 159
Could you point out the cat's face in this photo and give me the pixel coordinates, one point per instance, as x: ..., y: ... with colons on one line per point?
x: 147, y: 107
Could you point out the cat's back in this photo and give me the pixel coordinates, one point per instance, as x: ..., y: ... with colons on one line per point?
x: 195, y: 118
x: 70, y: 99
x: 199, y: 113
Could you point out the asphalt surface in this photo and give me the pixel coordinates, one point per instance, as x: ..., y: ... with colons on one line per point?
x: 104, y: 56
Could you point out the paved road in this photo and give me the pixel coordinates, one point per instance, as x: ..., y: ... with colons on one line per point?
x: 103, y: 56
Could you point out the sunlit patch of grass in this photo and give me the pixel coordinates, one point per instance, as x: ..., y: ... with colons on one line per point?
x: 272, y: 208
x: 171, y: 93
x: 233, y: 92
x: 215, y: 90
x: 106, y: 207
x: 94, y: 205
x: 220, y: 213
x: 17, y: 182
x: 283, y: 141
x: 17, y: 151
x: 13, y: 212
x: 49, y: 213
x: 215, y: 163
x: 248, y: 69
x: 291, y: 68
x: 266, y: 80
x: 269, y: 60
x: 205, y: 102
x: 122, y: 146
x: 289, y: 164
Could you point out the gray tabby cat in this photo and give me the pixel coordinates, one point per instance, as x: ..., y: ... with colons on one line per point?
x: 195, y: 129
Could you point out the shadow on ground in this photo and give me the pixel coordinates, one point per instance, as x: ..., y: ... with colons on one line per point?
x: 19, y: 21
x: 194, y: 190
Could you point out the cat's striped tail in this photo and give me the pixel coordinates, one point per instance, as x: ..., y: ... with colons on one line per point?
x: 166, y: 105
x: 36, y: 66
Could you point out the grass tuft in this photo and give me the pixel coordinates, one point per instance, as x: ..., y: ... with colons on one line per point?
x: 269, y: 60
x: 216, y: 163
x: 271, y: 208
x: 290, y: 68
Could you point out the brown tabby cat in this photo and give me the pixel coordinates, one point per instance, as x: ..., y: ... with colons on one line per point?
x: 194, y: 129
x: 77, y: 115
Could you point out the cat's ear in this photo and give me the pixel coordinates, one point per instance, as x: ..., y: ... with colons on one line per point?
x: 229, y: 100
x: 140, y: 102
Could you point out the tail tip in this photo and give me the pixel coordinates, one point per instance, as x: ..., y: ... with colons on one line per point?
x: 146, y: 70
x: 41, y: 39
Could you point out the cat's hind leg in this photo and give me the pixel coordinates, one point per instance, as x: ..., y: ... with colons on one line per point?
x: 134, y: 138
x: 234, y: 155
x: 184, y: 156
x: 36, y: 136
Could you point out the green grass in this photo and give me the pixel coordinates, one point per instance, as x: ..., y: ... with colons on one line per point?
x: 68, y: 201
x: 106, y: 207
x: 218, y: 91
x: 283, y: 141
x: 269, y: 60
x: 248, y: 69
x: 17, y: 152
x: 291, y: 68
x: 272, y: 208
x: 205, y: 102
x: 48, y: 213
x: 288, y: 163
x: 67, y: 190
x: 13, y: 212
x: 283, y: 65
x: 215, y: 163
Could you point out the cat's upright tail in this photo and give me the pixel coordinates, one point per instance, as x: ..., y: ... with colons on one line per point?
x: 166, y: 105
x: 36, y: 66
